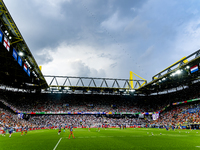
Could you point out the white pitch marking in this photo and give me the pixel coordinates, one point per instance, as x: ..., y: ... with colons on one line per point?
x: 57, y: 144
x: 198, y: 146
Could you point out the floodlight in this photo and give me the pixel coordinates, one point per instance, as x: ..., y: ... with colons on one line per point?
x: 10, y: 37
x: 178, y: 71
x: 67, y: 88
x: 188, y: 67
x: 132, y: 90
x: 21, y: 54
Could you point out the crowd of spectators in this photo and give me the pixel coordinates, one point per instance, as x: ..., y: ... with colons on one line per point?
x: 83, y: 120
x: 8, y: 118
x: 29, y: 102
x: 180, y: 114
x: 72, y: 103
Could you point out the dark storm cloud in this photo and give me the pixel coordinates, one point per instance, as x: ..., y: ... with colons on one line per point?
x: 74, y: 22
x: 44, y: 26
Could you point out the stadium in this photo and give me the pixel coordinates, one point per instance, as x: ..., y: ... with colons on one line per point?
x: 70, y: 112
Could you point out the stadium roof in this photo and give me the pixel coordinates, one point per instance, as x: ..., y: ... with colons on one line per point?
x: 11, y: 72
x: 181, y: 74
x: 86, y: 85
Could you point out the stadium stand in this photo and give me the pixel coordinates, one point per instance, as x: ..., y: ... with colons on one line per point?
x: 186, y: 114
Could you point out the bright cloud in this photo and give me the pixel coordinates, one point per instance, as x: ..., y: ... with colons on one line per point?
x: 79, y: 60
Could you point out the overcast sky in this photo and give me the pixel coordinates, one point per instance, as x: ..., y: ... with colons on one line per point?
x: 107, y: 38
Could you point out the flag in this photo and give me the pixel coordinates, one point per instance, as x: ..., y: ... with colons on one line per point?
x: 194, y: 69
x: 28, y: 72
x: 14, y: 54
x: 19, y: 61
x: 1, y: 36
x: 25, y: 68
x: 6, y: 43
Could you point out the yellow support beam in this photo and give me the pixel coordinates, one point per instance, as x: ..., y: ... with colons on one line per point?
x: 40, y: 68
x: 17, y: 41
x: 185, y: 61
x: 131, y: 80
x: 137, y: 75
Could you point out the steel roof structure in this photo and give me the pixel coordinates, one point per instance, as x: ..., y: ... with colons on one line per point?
x: 177, y: 75
x: 70, y: 84
x: 11, y: 73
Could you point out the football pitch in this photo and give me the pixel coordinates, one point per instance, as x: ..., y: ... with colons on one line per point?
x: 106, y: 139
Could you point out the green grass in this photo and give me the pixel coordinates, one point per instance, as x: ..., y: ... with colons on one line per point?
x: 106, y: 139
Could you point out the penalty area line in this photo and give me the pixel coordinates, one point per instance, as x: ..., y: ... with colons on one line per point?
x: 57, y: 144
